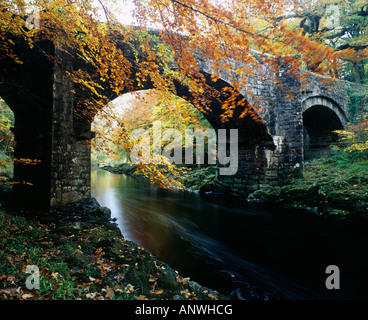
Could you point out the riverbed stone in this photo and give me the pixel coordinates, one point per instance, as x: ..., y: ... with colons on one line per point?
x: 169, y: 280
x: 198, y: 289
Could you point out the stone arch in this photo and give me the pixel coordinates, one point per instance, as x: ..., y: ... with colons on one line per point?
x: 255, y: 144
x: 321, y: 116
x: 129, y: 99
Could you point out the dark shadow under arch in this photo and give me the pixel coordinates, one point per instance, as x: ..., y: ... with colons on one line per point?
x: 27, y: 89
x: 251, y: 131
x: 319, y: 123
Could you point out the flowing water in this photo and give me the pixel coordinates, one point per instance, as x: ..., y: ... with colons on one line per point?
x: 249, y: 251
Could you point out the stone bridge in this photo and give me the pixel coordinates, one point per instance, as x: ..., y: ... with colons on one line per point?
x: 46, y: 128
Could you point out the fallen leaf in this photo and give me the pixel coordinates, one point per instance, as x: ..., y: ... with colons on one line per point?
x: 10, y: 290
x: 129, y: 288
x: 120, y: 276
x: 157, y: 291
x: 185, y: 293
x: 184, y: 281
x: 109, y: 293
x: 152, y: 279
x: 27, y: 296
x: 55, y: 275
x: 141, y: 297
x: 91, y: 295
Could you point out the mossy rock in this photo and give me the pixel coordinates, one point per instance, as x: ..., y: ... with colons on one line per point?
x: 213, y: 186
x: 291, y: 194
x: 168, y: 280
x: 266, y: 195
x: 346, y: 202
x: 309, y: 195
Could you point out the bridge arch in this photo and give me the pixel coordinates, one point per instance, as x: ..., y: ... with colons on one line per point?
x: 255, y: 144
x: 321, y: 116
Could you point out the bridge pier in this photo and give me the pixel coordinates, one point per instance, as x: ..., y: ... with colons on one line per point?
x: 274, y: 154
x: 71, y: 151
x: 40, y: 93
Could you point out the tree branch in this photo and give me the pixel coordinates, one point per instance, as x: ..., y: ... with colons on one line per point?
x: 217, y: 20
x: 106, y: 13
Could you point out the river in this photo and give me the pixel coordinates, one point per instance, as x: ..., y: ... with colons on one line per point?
x: 246, y: 250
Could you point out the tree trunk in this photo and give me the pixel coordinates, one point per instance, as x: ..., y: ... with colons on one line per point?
x: 362, y: 71
x: 357, y: 72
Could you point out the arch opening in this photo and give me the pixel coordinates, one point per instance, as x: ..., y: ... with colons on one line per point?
x: 319, y: 122
x: 147, y: 110
x: 255, y: 145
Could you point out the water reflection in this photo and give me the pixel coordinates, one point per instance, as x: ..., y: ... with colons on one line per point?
x: 226, y: 244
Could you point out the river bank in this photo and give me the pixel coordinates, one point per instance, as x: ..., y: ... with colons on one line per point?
x: 202, y: 180
x: 333, y: 186
x: 81, y: 255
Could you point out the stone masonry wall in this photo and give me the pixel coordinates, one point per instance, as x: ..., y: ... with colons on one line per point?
x: 262, y: 163
x: 71, y: 165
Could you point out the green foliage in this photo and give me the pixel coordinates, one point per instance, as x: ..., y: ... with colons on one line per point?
x: 6, y: 122
x: 330, y: 186
x: 203, y: 180
x: 357, y: 103
x: 6, y: 141
x: 355, y: 141
x: 341, y: 24
x: 337, y: 185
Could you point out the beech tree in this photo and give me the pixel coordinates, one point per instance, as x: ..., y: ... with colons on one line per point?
x: 340, y: 25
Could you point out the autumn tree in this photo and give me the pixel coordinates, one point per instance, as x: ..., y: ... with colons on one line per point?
x: 340, y: 25
x: 6, y: 123
x: 6, y: 140
x: 139, y: 111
